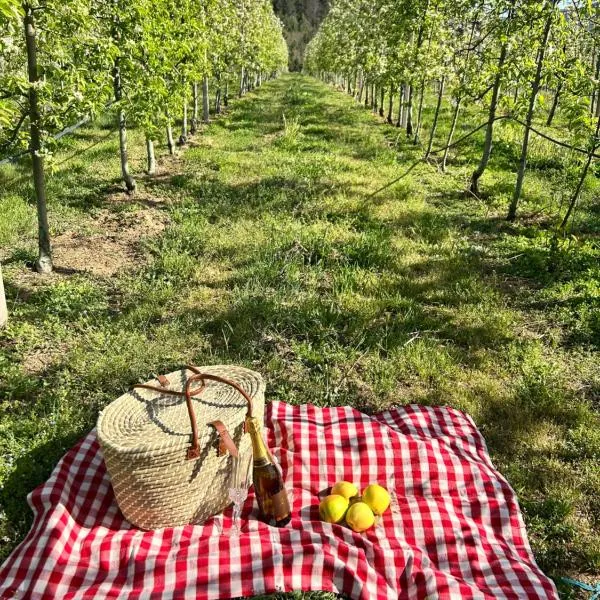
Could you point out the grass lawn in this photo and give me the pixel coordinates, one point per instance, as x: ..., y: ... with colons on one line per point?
x: 262, y: 245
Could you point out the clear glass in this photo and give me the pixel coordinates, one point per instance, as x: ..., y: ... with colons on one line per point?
x: 241, y: 479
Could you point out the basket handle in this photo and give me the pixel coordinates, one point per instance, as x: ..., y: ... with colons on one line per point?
x: 194, y: 450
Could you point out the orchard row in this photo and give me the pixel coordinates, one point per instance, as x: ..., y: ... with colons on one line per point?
x: 518, y: 61
x: 144, y: 60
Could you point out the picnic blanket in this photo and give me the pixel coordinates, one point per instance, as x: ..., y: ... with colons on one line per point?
x: 454, y: 529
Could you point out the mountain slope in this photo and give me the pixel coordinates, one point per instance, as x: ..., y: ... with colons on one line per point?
x: 301, y: 19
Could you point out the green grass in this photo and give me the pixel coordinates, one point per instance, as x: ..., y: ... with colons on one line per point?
x: 277, y: 257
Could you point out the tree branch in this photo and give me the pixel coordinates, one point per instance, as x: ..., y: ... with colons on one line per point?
x: 555, y: 141
x: 472, y: 132
x: 15, y: 133
x: 436, y: 151
x: 7, y: 95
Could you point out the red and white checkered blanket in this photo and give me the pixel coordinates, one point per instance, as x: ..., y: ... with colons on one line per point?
x: 454, y: 529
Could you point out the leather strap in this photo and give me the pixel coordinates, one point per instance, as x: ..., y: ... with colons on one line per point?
x: 226, y: 443
x: 194, y: 450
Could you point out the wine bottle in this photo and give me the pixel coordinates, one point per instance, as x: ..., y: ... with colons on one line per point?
x: 268, y: 482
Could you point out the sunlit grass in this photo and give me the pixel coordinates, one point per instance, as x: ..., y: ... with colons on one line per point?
x: 277, y: 257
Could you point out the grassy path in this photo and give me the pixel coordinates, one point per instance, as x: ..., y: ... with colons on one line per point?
x: 261, y: 246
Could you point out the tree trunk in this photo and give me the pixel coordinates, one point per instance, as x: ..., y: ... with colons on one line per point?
x: 400, y: 105
x: 381, y: 101
x: 184, y: 123
x: 436, y: 116
x: 205, y: 101
x: 242, y: 78
x: 367, y: 87
x: 409, y: 124
x: 150, y: 155
x: 374, y: 97
x: 390, y: 105
x: 595, y: 94
x: 361, y: 85
x: 452, y: 130
x: 44, y: 262
x: 512, y: 210
x: 226, y: 93
x: 218, y: 95
x: 420, y: 111
x: 584, y: 173
x: 487, y: 146
x: 406, y: 94
x: 118, y: 91
x: 129, y: 181
x: 170, y: 141
x: 3, y: 308
x: 194, y: 126
x: 554, y: 104
x: 218, y: 101
x: 459, y: 98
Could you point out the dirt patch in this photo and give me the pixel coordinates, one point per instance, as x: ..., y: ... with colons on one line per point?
x: 115, y: 248
x: 38, y: 360
x: 107, y: 246
x: 113, y: 245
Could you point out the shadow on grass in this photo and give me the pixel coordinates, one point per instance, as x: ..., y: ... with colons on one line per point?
x: 72, y: 186
x: 273, y: 195
x: 300, y: 306
x: 30, y: 470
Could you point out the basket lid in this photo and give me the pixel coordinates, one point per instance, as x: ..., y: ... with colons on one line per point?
x: 148, y: 422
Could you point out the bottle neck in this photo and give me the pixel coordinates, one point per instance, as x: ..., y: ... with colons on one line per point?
x: 260, y: 453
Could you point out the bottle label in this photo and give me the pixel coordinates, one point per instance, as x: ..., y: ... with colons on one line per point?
x: 281, y: 506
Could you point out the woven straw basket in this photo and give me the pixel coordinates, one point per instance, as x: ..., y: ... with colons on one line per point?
x: 170, y: 445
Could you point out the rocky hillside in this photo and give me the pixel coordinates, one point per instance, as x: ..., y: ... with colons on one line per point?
x: 301, y: 19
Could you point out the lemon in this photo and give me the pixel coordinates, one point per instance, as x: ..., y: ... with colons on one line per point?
x: 360, y: 517
x: 377, y: 498
x: 345, y: 488
x: 333, y: 508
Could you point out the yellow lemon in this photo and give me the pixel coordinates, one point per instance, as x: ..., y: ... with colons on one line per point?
x: 333, y: 508
x: 377, y: 498
x: 360, y: 517
x: 345, y: 488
